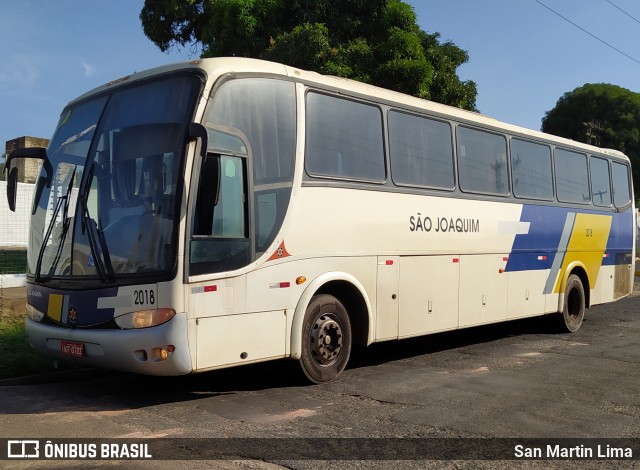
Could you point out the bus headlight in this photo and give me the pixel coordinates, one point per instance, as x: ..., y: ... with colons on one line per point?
x: 145, y: 318
x: 34, y: 314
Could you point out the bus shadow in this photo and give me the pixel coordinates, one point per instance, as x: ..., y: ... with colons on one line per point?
x: 390, y: 351
x: 98, y: 390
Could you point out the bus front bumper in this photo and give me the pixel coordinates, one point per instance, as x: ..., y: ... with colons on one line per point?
x: 135, y: 350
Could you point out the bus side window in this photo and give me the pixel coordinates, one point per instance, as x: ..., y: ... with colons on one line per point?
x: 229, y: 214
x: 203, y: 220
x: 622, y: 190
x: 220, y: 240
x: 600, y: 186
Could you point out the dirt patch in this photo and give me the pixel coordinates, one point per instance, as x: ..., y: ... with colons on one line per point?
x: 13, y: 303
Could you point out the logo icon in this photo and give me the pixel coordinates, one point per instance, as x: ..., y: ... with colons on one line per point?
x: 23, y: 449
x: 281, y: 252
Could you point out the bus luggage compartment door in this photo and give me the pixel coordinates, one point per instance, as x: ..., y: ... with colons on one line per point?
x: 428, y: 294
x: 387, y: 298
x: 240, y: 339
x: 483, y: 289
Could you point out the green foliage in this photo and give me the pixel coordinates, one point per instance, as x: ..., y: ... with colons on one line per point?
x: 600, y: 114
x: 307, y: 45
x: 447, y: 86
x: 374, y: 41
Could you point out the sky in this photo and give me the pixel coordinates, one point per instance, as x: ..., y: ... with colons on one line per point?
x: 522, y: 56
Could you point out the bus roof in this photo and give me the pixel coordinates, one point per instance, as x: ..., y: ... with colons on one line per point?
x: 215, y: 67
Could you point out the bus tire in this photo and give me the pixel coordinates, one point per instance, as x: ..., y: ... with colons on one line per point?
x: 326, y: 339
x: 574, y: 305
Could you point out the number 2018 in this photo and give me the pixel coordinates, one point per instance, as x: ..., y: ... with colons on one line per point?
x: 143, y: 297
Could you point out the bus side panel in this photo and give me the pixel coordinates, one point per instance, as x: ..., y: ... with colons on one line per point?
x: 526, y: 296
x: 483, y: 289
x: 240, y: 339
x: 603, y: 292
x: 248, y: 318
x: 387, y: 304
x: 560, y: 237
x: 621, y: 252
x: 623, y: 280
x: 428, y: 294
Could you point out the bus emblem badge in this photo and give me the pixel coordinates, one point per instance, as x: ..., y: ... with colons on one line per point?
x: 73, y: 315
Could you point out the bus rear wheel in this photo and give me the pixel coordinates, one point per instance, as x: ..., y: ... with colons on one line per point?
x: 574, y: 305
x: 326, y: 339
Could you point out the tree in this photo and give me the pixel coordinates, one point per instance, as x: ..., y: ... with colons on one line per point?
x: 374, y: 41
x: 600, y: 114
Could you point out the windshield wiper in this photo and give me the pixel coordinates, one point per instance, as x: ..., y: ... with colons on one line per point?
x: 63, y: 234
x: 102, y: 263
x: 66, y: 221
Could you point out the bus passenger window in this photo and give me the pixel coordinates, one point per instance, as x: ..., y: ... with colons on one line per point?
x: 531, y: 170
x: 482, y: 162
x: 421, y: 151
x: 600, y: 186
x: 344, y: 139
x: 621, y: 189
x: 572, y: 180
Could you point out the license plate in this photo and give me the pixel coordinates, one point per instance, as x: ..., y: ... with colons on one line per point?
x: 71, y: 348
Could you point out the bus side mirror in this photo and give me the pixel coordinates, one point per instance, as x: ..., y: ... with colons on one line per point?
x: 12, y: 184
x: 11, y: 169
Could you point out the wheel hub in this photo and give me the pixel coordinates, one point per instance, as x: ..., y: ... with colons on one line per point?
x: 326, y: 340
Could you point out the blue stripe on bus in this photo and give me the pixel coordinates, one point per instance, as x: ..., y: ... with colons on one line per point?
x: 537, y: 249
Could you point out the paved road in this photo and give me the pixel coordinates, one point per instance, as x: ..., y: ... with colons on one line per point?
x: 512, y: 380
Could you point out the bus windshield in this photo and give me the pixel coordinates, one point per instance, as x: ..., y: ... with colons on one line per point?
x: 110, y: 206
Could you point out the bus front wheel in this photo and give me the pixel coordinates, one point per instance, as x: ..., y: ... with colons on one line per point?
x: 326, y: 339
x: 574, y: 305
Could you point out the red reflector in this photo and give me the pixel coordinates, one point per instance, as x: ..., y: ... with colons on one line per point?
x: 389, y: 262
x: 210, y: 288
x: 506, y: 258
x: 280, y: 285
x: 456, y: 260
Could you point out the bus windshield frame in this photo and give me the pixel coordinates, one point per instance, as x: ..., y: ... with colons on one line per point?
x: 109, y: 209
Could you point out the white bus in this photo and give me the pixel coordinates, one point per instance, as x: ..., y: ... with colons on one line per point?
x: 230, y: 211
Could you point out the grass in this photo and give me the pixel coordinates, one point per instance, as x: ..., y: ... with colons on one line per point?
x: 18, y: 358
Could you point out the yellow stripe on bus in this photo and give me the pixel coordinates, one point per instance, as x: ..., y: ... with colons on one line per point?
x: 587, y: 244
x: 54, y: 310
